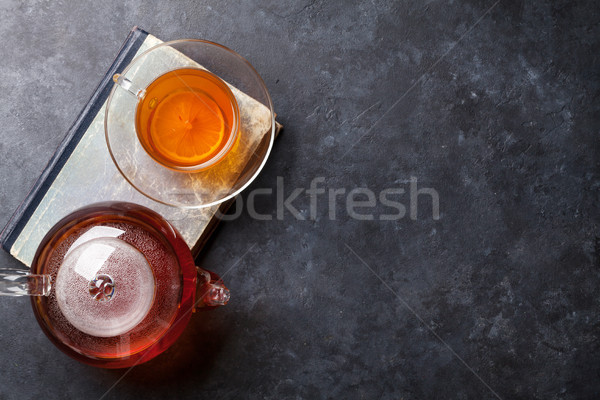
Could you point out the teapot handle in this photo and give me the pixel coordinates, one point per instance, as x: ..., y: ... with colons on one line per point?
x: 17, y: 282
x: 210, y: 290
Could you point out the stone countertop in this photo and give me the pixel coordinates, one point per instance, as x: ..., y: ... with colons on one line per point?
x: 432, y: 228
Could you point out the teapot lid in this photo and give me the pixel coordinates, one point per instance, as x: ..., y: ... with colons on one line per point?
x: 105, y: 287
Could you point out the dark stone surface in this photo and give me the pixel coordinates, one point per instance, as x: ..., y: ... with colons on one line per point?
x: 496, y: 109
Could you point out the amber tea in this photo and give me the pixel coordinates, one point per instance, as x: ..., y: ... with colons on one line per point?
x: 188, y: 119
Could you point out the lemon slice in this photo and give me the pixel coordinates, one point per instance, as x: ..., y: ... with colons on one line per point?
x: 188, y: 128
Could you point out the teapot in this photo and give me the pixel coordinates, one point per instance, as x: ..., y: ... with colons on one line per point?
x: 113, y: 285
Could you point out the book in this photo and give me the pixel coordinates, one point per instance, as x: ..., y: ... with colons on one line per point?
x: 81, y: 172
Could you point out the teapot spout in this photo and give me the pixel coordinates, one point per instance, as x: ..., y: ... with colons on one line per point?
x: 17, y: 282
x: 211, y: 292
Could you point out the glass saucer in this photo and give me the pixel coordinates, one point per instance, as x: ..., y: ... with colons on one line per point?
x: 234, y: 171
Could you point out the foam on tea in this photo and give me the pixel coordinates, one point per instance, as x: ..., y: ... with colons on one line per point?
x: 187, y: 119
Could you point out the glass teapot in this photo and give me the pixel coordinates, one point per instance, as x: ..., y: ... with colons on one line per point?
x: 114, y: 284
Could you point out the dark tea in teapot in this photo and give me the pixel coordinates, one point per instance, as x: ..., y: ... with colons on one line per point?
x: 124, y: 282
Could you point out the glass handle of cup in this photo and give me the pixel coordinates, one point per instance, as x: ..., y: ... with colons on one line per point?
x: 211, y: 292
x: 128, y: 85
x: 16, y: 282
